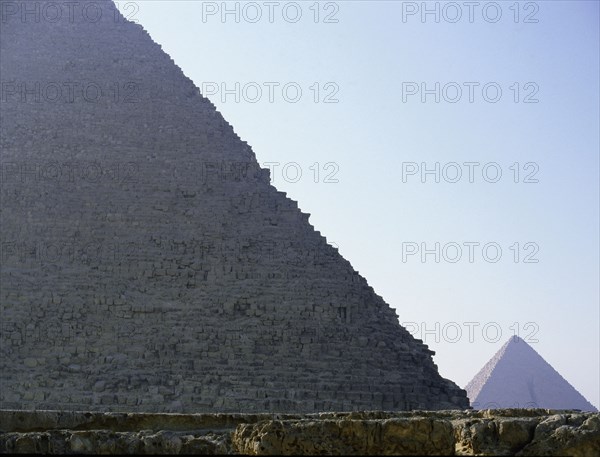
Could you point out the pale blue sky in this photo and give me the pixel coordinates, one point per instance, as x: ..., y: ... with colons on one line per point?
x: 370, y: 133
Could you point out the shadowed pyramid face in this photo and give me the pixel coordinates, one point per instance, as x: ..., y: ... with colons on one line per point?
x: 147, y: 262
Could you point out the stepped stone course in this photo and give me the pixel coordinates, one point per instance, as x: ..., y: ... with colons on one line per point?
x: 147, y: 262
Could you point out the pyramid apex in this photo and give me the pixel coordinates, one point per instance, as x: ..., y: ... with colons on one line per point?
x: 515, y: 339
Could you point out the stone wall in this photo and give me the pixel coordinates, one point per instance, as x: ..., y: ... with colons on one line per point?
x: 147, y: 262
x: 491, y: 432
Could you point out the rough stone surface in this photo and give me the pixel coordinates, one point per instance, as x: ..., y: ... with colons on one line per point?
x: 518, y: 377
x: 490, y: 432
x: 399, y: 436
x: 147, y: 262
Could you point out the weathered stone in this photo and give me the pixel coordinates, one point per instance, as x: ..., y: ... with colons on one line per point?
x: 99, y: 386
x: 30, y: 362
x: 142, y: 245
x: 578, y: 437
x: 505, y: 432
x: 494, y: 435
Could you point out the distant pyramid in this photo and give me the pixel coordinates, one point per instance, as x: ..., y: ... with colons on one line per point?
x: 517, y: 376
x: 147, y: 262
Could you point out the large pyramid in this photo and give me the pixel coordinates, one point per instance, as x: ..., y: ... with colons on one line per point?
x: 147, y: 262
x: 518, y: 377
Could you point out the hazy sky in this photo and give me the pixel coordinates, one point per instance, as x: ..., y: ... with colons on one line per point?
x: 517, y: 93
